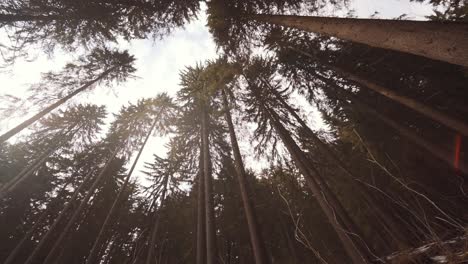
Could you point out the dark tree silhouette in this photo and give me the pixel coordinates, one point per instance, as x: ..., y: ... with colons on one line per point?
x: 101, y: 66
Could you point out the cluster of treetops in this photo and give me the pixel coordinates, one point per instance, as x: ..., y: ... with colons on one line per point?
x: 383, y: 180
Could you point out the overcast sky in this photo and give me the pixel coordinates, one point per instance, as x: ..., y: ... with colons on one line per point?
x: 159, y: 63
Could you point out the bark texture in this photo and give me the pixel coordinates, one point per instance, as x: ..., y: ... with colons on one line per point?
x: 444, y: 41
x: 211, y: 245
x: 252, y: 223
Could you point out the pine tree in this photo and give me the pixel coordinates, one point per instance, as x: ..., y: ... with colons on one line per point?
x: 101, y: 66
x: 159, y: 109
x: 70, y: 24
x: 435, y: 40
x: 263, y: 102
x: 76, y: 125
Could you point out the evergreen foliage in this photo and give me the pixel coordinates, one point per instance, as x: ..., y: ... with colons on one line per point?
x: 375, y: 179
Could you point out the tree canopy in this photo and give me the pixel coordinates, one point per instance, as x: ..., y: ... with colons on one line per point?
x: 302, y: 142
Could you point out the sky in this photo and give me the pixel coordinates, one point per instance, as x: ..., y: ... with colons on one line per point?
x: 160, y: 62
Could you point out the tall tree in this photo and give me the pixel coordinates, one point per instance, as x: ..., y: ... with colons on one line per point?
x: 160, y: 110
x: 126, y: 132
x: 255, y: 238
x: 435, y: 40
x: 327, y: 200
x: 57, y: 244
x: 161, y: 172
x: 449, y: 121
x: 211, y: 246
x: 14, y: 253
x: 101, y: 66
x: 197, y: 98
x: 75, y: 126
x: 70, y: 24
x: 220, y: 73
x: 385, y: 66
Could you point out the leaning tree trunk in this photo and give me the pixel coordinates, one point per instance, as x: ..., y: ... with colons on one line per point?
x: 416, y: 139
x: 444, y: 41
x: 51, y: 107
x: 14, y: 253
x: 59, y: 241
x: 58, y: 219
x: 152, y: 242
x: 201, y: 232
x: 326, y: 200
x: 211, y: 246
x: 30, y: 169
x: 255, y: 237
x: 26, y: 172
x: 385, y: 218
x: 108, y: 221
x: 430, y: 112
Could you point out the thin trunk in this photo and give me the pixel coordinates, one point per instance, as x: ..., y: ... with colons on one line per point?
x: 435, y: 150
x: 57, y: 220
x: 416, y: 139
x: 381, y: 214
x: 201, y: 233
x: 211, y: 246
x: 51, y: 107
x: 430, y: 112
x: 108, y: 221
x: 152, y: 243
x: 329, y: 204
x: 60, y: 240
x: 434, y: 114
x: 444, y: 41
x: 11, y: 257
x: 255, y: 238
x: 28, y: 170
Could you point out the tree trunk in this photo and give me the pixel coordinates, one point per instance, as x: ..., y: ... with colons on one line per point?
x: 28, y: 170
x: 151, y: 246
x: 58, y: 219
x: 362, y: 187
x: 329, y: 204
x: 59, y: 241
x: 416, y: 139
x: 201, y: 233
x: 51, y: 107
x: 11, y: 257
x: 444, y: 41
x: 25, y: 173
x: 255, y: 237
x: 108, y: 221
x: 211, y: 246
x: 430, y: 112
